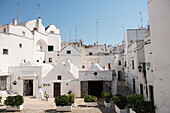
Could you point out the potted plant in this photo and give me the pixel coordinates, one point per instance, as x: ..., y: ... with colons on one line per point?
x: 90, y: 100
x: 120, y: 103
x: 0, y: 100
x: 14, y: 103
x: 106, y: 96
x: 148, y: 107
x: 134, y: 102
x: 63, y: 103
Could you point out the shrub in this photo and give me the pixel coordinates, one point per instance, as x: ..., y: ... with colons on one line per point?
x: 133, y: 98
x: 148, y: 107
x: 14, y: 101
x: 0, y: 99
x: 106, y: 96
x: 138, y: 104
x: 120, y: 101
x: 89, y: 98
x: 71, y: 98
x: 62, y: 100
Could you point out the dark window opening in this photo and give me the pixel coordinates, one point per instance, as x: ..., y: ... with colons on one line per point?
x: 20, y: 45
x: 5, y: 51
x: 59, y: 77
x: 37, y: 60
x: 83, y: 66
x: 68, y: 51
x: 95, y: 73
x: 50, y: 48
x: 4, y: 30
x: 90, y: 53
x: 50, y: 59
x: 133, y: 65
x: 119, y: 62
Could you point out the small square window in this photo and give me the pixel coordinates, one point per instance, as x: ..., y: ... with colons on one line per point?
x: 50, y: 48
x: 23, y: 33
x: 20, y: 45
x: 68, y: 51
x: 4, y: 30
x: 50, y: 59
x: 5, y: 51
x: 83, y: 66
x: 37, y: 60
x: 59, y: 77
x: 90, y: 53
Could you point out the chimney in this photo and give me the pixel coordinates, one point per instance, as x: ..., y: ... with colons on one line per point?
x: 38, y: 23
x: 39, y: 20
x: 14, y: 21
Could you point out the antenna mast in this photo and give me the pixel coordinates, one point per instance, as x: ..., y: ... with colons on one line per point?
x: 141, y: 19
x: 70, y: 36
x: 38, y: 6
x: 19, y: 11
x: 76, y: 35
x: 97, y: 22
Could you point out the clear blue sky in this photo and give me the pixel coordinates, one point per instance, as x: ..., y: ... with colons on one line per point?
x: 67, y: 14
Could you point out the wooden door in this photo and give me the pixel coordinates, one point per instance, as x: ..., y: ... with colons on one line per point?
x: 57, y: 89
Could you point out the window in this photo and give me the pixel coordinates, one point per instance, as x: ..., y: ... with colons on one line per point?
x: 119, y: 62
x: 3, y: 83
x: 57, y: 54
x: 90, y: 53
x: 44, y: 61
x: 20, y: 45
x: 50, y: 59
x: 23, y: 33
x: 4, y: 30
x: 37, y: 60
x: 68, y: 51
x: 50, y: 48
x: 59, y: 77
x: 5, y: 51
x: 83, y: 66
x: 24, y: 60
x: 95, y: 73
x: 109, y: 66
x: 133, y: 64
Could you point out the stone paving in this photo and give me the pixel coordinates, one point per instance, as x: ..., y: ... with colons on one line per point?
x: 32, y: 105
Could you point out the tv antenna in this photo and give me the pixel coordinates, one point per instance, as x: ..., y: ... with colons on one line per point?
x: 97, y: 22
x: 76, y: 35
x: 19, y: 11
x: 38, y: 6
x: 141, y: 19
x: 70, y: 36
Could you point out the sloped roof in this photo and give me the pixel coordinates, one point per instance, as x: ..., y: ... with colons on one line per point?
x: 95, y: 67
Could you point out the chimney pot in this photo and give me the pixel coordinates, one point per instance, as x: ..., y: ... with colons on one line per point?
x: 14, y: 21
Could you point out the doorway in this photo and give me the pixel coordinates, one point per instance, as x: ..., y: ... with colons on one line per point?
x: 151, y: 94
x: 95, y: 88
x: 28, y: 88
x: 57, y: 89
x: 134, y: 88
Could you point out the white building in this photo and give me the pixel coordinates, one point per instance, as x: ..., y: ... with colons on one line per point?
x: 23, y: 44
x: 159, y: 34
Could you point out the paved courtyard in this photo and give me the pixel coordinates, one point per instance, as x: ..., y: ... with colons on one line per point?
x: 32, y: 105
